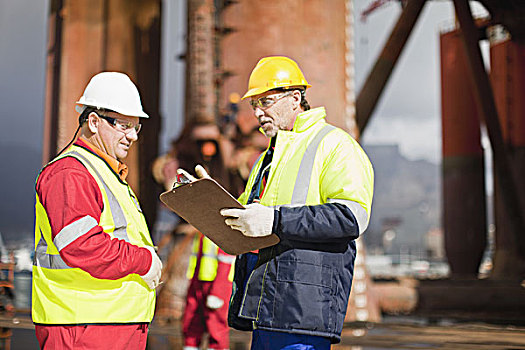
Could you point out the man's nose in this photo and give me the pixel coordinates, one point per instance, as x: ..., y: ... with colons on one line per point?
x: 258, y: 112
x: 132, y: 135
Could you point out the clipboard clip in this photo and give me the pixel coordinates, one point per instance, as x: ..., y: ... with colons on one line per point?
x: 181, y: 180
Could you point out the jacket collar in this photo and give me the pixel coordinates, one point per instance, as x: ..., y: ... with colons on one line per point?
x: 120, y: 168
x: 306, y: 119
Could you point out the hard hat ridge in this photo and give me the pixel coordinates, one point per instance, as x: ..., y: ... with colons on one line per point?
x: 113, y: 91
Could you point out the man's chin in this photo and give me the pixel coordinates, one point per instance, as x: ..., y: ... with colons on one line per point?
x: 122, y: 154
x: 270, y: 132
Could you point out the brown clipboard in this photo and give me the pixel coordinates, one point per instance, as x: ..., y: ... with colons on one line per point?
x: 199, y: 203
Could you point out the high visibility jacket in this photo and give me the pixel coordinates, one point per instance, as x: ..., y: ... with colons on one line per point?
x: 66, y: 295
x: 321, y: 185
x: 210, y: 256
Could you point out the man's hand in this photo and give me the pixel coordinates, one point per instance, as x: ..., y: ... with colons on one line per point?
x: 199, y: 170
x: 213, y: 302
x: 255, y: 220
x: 152, y: 277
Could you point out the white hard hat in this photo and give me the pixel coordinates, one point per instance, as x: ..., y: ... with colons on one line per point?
x: 114, y: 91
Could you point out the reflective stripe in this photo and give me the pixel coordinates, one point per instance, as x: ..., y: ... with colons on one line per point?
x: 116, y: 211
x: 135, y: 201
x: 214, y: 256
x: 48, y: 261
x: 359, y: 212
x: 302, y: 183
x: 74, y: 230
x: 227, y: 259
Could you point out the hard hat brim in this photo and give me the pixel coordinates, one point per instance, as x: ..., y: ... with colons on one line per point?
x: 81, y: 106
x: 262, y: 90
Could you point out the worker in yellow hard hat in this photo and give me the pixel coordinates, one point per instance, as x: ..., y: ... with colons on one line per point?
x: 312, y: 187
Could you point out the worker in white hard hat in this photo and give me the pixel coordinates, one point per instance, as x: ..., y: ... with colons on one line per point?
x: 312, y: 187
x: 95, y: 268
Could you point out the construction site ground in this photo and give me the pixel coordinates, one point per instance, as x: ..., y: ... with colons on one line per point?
x: 391, y: 334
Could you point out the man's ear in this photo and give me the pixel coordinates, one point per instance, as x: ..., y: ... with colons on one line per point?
x: 93, y: 122
x: 296, y: 98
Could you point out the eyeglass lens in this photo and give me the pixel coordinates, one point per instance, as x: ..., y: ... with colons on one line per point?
x: 265, y: 102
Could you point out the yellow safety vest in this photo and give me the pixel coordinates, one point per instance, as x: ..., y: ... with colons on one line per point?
x: 66, y: 295
x: 315, y: 163
x: 209, y: 260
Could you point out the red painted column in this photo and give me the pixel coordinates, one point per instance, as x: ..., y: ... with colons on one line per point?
x: 464, y: 210
x: 508, y: 82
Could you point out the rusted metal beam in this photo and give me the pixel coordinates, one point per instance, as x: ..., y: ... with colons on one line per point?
x: 54, y: 57
x: 485, y: 99
x: 378, y: 77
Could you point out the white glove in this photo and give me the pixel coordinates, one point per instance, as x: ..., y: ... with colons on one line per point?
x: 152, y: 277
x: 255, y: 220
x: 213, y: 302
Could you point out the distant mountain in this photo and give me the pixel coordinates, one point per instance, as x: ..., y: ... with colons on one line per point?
x: 407, y: 199
x: 20, y: 166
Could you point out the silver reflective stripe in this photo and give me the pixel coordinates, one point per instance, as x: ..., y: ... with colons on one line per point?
x: 359, y: 212
x: 48, y: 261
x: 210, y: 255
x: 302, y: 183
x: 227, y: 259
x: 116, y: 211
x: 74, y: 230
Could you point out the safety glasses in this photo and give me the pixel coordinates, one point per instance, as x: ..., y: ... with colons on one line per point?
x: 268, y: 101
x: 120, y: 125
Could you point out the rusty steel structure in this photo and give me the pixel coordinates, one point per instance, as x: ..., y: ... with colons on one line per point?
x: 509, y: 259
x: 376, y: 81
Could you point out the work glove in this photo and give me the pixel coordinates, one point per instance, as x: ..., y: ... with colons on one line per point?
x: 213, y: 302
x: 199, y: 170
x: 255, y: 220
x: 152, y: 277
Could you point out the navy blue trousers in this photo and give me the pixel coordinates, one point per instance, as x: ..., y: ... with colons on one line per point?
x: 267, y: 340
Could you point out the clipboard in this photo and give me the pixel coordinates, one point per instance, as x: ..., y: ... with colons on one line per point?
x: 199, y: 203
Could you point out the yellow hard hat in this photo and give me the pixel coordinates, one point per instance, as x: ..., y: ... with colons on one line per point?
x: 274, y: 72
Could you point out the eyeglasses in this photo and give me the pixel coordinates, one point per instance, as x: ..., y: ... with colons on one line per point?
x: 266, y: 102
x: 121, y: 125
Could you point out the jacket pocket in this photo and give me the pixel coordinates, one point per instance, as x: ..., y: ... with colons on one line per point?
x: 305, y: 273
x: 304, y: 297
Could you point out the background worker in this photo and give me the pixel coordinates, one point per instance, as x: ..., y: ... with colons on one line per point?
x: 313, y: 188
x: 211, y: 275
x: 95, y: 269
